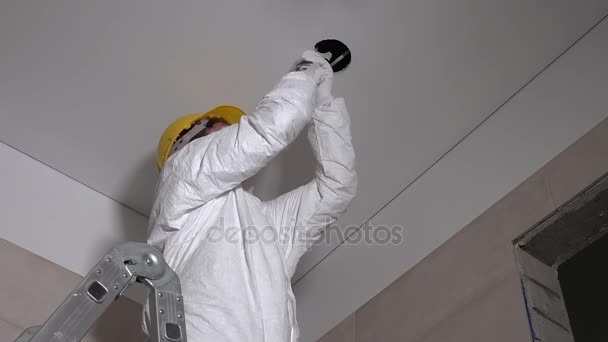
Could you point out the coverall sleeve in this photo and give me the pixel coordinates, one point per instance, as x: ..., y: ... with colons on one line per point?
x: 301, y: 215
x: 212, y: 165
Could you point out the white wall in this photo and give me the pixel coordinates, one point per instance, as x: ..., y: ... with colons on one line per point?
x: 66, y: 218
x: 556, y: 109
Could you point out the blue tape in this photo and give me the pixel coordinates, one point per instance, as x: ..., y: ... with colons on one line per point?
x: 523, y: 290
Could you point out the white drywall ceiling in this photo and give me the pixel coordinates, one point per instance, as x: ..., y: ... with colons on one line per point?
x: 552, y: 112
x: 87, y: 86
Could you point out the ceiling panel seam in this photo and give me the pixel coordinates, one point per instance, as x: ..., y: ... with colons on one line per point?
x: 72, y: 178
x: 455, y: 145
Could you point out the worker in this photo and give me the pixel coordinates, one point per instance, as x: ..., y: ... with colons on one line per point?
x: 235, y: 254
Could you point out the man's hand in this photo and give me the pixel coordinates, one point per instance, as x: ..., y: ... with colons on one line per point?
x: 318, y: 67
x: 302, y: 65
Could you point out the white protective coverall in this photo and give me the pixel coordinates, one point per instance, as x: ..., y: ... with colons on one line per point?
x: 235, y: 254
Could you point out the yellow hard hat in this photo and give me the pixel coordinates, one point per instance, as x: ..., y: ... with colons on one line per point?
x: 230, y: 114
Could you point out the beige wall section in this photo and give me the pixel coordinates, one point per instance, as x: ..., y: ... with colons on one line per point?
x: 468, y: 289
x: 32, y: 287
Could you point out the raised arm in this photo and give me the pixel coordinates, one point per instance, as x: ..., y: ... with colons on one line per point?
x: 302, y: 214
x: 212, y: 165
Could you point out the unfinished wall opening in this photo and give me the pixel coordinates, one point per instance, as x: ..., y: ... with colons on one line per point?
x: 562, y: 261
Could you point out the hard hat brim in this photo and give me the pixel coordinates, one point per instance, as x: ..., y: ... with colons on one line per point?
x: 230, y: 114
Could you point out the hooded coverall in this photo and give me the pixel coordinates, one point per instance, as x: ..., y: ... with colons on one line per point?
x: 234, y: 253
